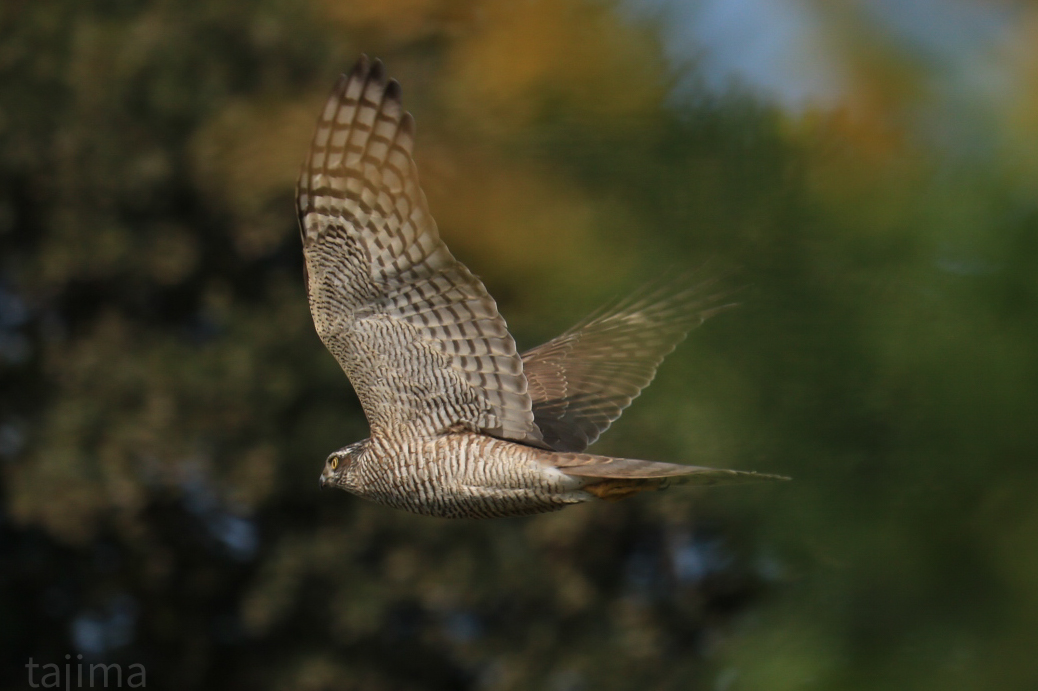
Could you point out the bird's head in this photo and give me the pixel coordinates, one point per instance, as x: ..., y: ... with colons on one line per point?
x: 339, y: 466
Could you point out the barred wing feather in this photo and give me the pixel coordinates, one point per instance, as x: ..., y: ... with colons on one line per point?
x: 581, y: 381
x: 416, y: 332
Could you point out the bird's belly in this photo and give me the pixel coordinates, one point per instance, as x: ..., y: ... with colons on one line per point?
x: 467, y: 476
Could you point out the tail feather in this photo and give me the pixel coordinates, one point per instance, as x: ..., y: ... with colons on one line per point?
x: 605, y: 467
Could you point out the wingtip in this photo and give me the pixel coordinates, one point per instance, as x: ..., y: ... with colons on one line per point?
x: 377, y: 73
x: 407, y: 125
x: 361, y: 67
x: 359, y: 72
x: 365, y: 70
x: 393, y: 91
x: 340, y: 84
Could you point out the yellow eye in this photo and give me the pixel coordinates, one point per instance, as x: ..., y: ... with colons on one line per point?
x: 335, y: 463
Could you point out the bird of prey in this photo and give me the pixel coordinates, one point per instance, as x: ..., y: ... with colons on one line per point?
x: 462, y: 426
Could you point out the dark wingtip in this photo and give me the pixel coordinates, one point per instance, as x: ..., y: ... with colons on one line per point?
x: 378, y: 72
x: 340, y: 84
x: 407, y: 124
x: 361, y: 67
x: 393, y: 91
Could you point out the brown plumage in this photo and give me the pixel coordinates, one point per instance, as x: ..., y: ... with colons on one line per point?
x: 461, y: 425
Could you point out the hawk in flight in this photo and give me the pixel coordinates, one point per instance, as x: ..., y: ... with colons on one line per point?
x: 461, y: 424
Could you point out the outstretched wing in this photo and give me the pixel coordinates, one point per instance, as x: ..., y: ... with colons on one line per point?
x: 581, y: 381
x: 416, y: 333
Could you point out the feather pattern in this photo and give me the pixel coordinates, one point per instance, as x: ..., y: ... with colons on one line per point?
x: 416, y: 332
x: 582, y: 380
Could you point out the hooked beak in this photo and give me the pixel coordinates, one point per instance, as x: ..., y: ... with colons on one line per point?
x: 324, y: 480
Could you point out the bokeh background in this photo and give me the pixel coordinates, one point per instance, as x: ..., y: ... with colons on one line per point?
x: 864, y: 170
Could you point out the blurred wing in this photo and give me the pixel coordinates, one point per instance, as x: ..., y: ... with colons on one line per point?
x: 416, y: 333
x: 581, y: 381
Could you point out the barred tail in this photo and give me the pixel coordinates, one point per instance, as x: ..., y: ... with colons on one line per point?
x: 621, y: 477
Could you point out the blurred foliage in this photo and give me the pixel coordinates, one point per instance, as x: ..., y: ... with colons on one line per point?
x: 166, y: 406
